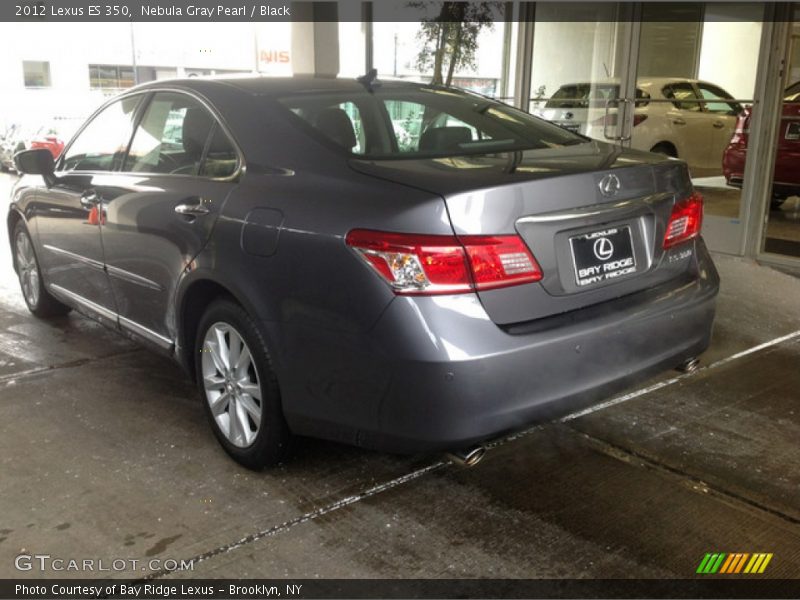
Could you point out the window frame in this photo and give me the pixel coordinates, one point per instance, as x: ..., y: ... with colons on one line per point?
x: 59, y: 166
x: 141, y: 108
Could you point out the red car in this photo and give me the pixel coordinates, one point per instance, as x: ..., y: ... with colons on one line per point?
x: 54, y: 135
x: 786, y: 178
x: 50, y: 142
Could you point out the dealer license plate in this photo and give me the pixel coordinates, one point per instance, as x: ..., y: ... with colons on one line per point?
x: 602, y: 255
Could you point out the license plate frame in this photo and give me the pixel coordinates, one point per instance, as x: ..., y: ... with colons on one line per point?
x: 792, y: 131
x: 596, y: 262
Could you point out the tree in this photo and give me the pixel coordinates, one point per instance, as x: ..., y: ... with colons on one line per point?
x: 450, y: 39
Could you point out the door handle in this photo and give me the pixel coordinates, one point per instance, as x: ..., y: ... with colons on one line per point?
x: 679, y: 121
x: 719, y: 124
x: 90, y: 199
x: 193, y: 207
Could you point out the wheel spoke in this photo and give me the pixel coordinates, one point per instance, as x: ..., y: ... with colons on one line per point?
x: 251, y: 389
x: 242, y: 363
x: 219, y: 404
x: 234, y: 432
x: 246, y: 401
x: 211, y: 348
x: 222, y: 348
x: 243, y: 423
x: 214, y: 382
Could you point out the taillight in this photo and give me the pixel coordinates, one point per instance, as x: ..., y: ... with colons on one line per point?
x: 443, y: 264
x: 685, y: 221
x: 742, y: 129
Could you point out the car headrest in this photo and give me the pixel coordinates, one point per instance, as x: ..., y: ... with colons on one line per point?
x: 336, y: 125
x: 444, y: 138
x: 196, y: 127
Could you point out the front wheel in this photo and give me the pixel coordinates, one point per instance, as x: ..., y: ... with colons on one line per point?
x: 36, y: 296
x: 242, y: 399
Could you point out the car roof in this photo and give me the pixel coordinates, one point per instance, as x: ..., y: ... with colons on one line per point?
x: 640, y: 82
x: 277, y: 86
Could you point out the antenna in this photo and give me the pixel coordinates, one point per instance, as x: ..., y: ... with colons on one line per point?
x: 370, y: 80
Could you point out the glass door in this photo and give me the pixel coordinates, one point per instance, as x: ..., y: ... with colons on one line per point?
x: 695, y: 89
x: 581, y: 67
x: 783, y: 222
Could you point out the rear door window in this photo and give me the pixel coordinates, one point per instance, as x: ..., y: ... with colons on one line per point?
x: 102, y: 143
x: 683, y: 96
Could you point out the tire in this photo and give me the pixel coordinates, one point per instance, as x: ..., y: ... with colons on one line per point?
x: 38, y: 299
x: 664, y: 149
x: 258, y: 436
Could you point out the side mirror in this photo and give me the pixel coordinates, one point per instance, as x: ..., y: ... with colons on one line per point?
x: 36, y: 162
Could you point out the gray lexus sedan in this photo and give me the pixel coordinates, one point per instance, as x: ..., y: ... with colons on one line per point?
x: 392, y: 265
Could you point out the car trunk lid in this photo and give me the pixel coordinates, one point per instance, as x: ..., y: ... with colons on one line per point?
x: 561, y: 201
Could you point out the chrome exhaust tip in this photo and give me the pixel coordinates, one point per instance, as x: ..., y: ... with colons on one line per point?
x: 690, y: 366
x: 468, y: 457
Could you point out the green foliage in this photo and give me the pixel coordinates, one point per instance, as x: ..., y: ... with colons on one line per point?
x: 450, y: 40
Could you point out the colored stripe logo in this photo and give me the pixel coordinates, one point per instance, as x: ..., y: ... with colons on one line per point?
x: 734, y: 563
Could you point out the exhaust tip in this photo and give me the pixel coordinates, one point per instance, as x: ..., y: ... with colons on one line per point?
x: 690, y: 366
x: 468, y: 457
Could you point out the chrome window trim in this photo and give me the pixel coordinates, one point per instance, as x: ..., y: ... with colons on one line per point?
x: 240, y: 165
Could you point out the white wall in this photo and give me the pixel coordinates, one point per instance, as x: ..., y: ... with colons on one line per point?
x: 729, y: 49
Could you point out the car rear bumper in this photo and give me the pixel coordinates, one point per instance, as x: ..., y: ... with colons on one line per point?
x: 445, y: 376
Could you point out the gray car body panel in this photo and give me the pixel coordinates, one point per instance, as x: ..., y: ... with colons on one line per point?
x: 357, y: 363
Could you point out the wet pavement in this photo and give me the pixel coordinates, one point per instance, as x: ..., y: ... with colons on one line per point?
x: 105, y: 453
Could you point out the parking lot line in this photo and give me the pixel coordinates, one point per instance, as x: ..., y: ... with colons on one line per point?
x: 667, y: 382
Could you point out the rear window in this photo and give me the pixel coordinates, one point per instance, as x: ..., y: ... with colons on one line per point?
x: 421, y: 122
x: 587, y: 95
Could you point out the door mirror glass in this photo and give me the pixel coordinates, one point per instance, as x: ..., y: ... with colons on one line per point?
x: 35, y: 162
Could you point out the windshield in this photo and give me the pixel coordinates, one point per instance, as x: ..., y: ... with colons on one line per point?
x: 421, y: 122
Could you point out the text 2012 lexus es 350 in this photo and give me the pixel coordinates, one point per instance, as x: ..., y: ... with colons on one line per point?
x: 392, y: 265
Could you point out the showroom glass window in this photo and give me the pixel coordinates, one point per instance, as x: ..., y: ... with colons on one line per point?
x: 179, y: 136
x: 102, y: 143
x: 37, y: 73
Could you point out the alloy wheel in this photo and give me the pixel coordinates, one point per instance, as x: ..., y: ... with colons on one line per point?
x: 231, y: 384
x: 27, y: 268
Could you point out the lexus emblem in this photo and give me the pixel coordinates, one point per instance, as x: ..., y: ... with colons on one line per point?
x: 603, y: 248
x: 609, y: 185
x: 568, y: 115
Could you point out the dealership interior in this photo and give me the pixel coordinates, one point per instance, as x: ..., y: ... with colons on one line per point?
x: 104, y: 451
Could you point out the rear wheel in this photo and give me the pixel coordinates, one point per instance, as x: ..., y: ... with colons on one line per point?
x: 665, y: 149
x: 38, y: 299
x: 242, y: 400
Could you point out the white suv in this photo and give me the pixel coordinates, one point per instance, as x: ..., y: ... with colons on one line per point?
x: 686, y: 118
